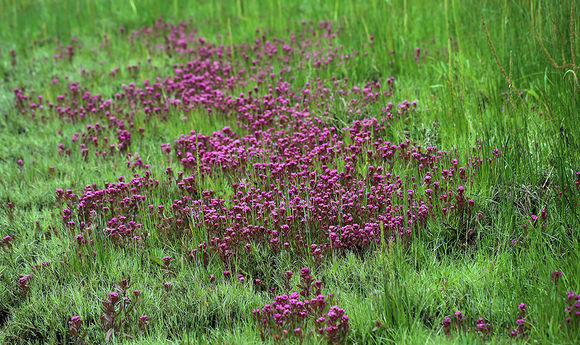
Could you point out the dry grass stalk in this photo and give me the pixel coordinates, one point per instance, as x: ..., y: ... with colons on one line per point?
x: 493, y: 51
x: 571, y: 67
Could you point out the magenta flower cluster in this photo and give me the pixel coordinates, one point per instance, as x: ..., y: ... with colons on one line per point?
x: 522, y: 325
x: 573, y: 309
x: 455, y: 323
x: 303, y: 314
x: 118, y: 309
x: 23, y: 284
x: 7, y: 242
x: 292, y: 170
x: 75, y: 329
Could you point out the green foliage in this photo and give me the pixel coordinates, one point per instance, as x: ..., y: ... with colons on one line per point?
x: 399, y: 295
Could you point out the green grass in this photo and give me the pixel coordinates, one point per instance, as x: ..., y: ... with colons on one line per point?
x: 399, y: 296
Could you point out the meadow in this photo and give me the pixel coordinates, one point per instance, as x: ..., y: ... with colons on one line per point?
x: 289, y: 172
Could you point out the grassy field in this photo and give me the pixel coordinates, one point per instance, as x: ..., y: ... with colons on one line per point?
x: 411, y: 169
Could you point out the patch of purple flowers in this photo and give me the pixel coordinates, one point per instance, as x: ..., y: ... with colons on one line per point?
x: 302, y: 314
